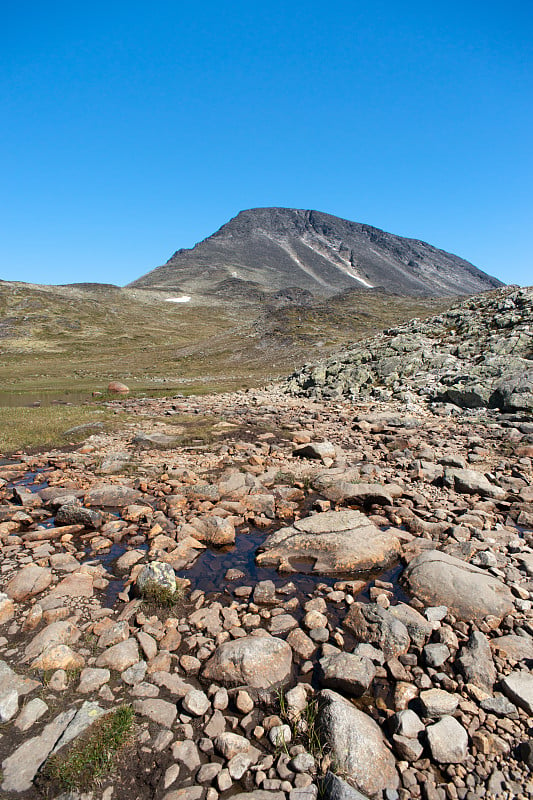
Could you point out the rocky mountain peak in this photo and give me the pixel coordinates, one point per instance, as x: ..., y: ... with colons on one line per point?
x: 280, y: 248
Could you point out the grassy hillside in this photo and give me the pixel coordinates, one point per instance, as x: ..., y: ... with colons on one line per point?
x: 80, y: 337
x: 69, y: 341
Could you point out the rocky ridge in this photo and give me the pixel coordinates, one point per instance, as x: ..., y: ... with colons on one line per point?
x: 278, y: 249
x: 424, y: 669
x: 478, y: 354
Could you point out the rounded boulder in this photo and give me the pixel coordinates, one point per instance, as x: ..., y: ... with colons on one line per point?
x: 259, y: 662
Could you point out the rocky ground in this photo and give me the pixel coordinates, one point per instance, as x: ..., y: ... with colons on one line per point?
x: 352, y: 614
x: 478, y: 354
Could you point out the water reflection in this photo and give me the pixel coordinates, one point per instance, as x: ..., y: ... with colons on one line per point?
x: 43, y: 398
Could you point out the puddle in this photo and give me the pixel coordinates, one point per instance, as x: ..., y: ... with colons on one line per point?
x: 210, y: 568
x: 36, y: 399
x: 391, y: 575
x: 108, y: 558
x: 33, y: 480
x: 208, y: 573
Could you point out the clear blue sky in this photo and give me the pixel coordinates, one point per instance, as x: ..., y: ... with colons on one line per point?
x: 130, y: 129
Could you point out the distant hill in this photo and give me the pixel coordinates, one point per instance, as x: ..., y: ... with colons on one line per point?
x: 273, y: 249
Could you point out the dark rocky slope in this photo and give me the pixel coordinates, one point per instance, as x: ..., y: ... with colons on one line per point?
x: 271, y: 249
x: 477, y: 354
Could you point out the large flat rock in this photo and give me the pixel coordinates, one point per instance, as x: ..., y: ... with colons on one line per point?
x: 108, y: 495
x: 511, y: 646
x: 29, y: 581
x: 470, y: 593
x: 330, y: 543
x: 346, y: 488
x: 375, y: 625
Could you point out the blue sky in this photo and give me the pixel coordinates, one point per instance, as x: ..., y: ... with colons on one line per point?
x: 131, y: 129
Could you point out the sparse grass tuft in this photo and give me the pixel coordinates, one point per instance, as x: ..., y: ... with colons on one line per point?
x: 304, y: 727
x: 285, y: 478
x: 93, y: 755
x: 312, y: 734
x: 306, y: 481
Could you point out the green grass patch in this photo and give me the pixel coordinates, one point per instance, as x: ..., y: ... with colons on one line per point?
x: 44, y: 427
x: 93, y: 755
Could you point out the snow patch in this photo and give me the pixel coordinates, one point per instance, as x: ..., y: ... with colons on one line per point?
x: 344, y: 266
x: 183, y: 299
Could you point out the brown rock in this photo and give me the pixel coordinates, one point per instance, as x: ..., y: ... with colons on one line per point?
x: 517, y: 648
x: 471, y: 594
x: 260, y: 662
x: 117, y: 387
x: 59, y: 656
x: 357, y: 745
x: 119, y: 656
x: 29, y: 581
x: 7, y: 608
x: 77, y: 584
x: 62, y: 632
x: 214, y: 531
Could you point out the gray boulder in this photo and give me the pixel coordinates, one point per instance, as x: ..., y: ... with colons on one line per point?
x: 340, y: 489
x: 518, y: 686
x: 256, y: 794
x: 158, y: 573
x: 335, y: 788
x: 74, y: 514
x: 468, y: 481
x: 259, y: 662
x: 475, y: 662
x: 347, y: 673
x: 19, y: 768
x: 110, y: 495
x: 438, y: 703
x: 448, y: 741
x: 470, y: 593
x: 373, y: 624
x: 320, y: 450
x: 153, y: 440
x: 407, y: 723
x: 515, y: 392
x: 357, y: 746
x: 418, y: 627
x: 511, y: 646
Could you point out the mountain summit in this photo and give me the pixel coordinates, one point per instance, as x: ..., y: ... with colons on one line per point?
x: 273, y: 249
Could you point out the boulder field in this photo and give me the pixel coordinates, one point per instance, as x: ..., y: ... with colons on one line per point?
x: 327, y: 599
x: 478, y: 354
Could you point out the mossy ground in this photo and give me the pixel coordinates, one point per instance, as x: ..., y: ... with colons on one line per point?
x: 93, y: 754
x: 43, y: 427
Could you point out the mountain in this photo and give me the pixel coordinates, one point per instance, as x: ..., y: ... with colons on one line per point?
x: 272, y: 249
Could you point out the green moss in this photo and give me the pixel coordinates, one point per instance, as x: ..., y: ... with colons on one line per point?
x: 157, y: 597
